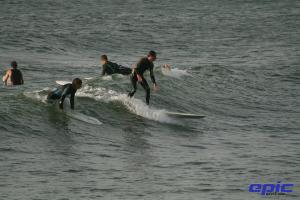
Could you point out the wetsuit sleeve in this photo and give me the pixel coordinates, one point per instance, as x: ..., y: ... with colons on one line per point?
x: 152, y: 74
x: 103, y: 70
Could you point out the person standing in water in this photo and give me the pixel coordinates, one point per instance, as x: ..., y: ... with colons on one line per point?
x: 138, y: 75
x: 64, y: 91
x: 13, y: 76
x: 109, y: 68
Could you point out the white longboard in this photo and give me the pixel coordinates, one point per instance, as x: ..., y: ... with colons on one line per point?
x: 89, y: 78
x: 183, y: 115
x: 63, y: 82
x: 84, y: 118
x: 66, y: 82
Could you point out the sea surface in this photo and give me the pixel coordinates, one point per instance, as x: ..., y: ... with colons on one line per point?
x: 235, y: 61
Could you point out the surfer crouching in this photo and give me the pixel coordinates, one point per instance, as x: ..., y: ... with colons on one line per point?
x: 62, y: 92
x: 109, y: 68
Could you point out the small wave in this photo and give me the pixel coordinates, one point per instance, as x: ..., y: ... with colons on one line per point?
x: 106, y: 78
x: 40, y: 95
x: 138, y: 107
x: 112, y: 77
x: 134, y: 105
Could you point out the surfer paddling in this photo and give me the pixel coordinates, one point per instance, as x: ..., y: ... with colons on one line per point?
x: 64, y: 91
x: 13, y: 76
x: 109, y: 68
x: 138, y: 75
x: 167, y: 67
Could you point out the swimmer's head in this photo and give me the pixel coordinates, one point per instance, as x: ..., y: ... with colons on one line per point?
x: 14, y: 64
x: 103, y: 59
x: 151, y: 56
x: 77, y: 83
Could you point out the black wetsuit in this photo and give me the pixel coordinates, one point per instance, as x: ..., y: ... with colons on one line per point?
x: 61, y: 93
x: 16, y: 77
x: 143, y: 65
x: 110, y: 68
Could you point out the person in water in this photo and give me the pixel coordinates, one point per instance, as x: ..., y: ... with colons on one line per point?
x: 138, y: 75
x: 65, y: 90
x: 167, y: 67
x: 13, y: 76
x: 109, y: 68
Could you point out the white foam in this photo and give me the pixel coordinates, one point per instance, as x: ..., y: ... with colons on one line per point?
x: 174, y: 72
x: 138, y: 107
x: 40, y: 95
x: 134, y: 105
x: 114, y: 76
x: 106, y: 78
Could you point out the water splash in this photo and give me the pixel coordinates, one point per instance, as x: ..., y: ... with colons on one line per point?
x: 134, y: 105
x: 175, y: 73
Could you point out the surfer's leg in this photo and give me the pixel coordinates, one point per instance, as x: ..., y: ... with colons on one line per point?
x: 133, y: 79
x: 146, y: 87
x: 53, y: 96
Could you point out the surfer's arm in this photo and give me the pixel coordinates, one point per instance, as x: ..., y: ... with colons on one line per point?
x: 72, y: 100
x: 152, y: 76
x: 63, y: 96
x: 103, y: 70
x: 61, y: 102
x: 22, y: 80
x: 6, y: 76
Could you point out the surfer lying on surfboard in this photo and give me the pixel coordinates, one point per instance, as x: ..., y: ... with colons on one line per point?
x: 109, y: 68
x: 65, y: 90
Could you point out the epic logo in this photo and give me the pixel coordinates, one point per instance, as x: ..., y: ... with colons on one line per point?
x: 267, y: 188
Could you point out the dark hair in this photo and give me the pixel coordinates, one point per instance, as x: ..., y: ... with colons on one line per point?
x: 14, y: 64
x: 77, y: 81
x: 152, y: 53
x: 104, y: 57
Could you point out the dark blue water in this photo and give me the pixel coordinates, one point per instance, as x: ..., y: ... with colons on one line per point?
x: 236, y: 62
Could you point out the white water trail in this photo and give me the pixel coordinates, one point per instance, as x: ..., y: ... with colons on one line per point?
x: 41, y: 96
x: 134, y: 105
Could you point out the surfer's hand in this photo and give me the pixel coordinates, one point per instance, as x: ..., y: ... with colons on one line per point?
x: 155, y: 87
x: 139, y: 78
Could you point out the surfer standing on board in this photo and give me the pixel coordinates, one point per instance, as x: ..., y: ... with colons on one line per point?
x: 109, y: 68
x: 13, y: 76
x: 65, y: 90
x: 138, y: 75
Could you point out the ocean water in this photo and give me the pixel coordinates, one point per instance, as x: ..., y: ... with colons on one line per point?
x: 236, y: 62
